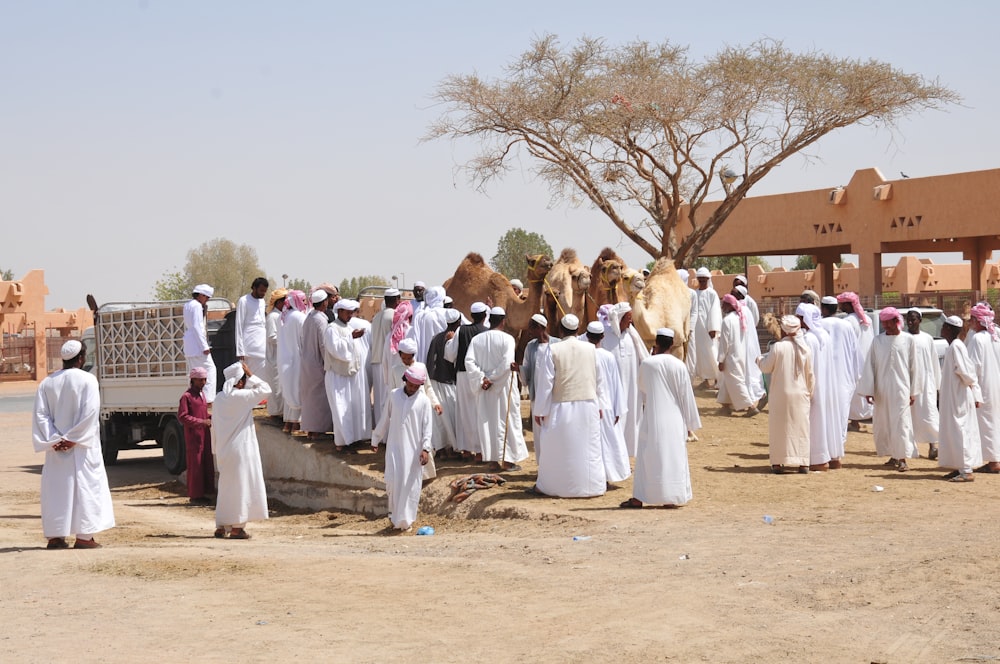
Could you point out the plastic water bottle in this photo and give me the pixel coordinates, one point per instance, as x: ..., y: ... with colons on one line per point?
x: 581, y: 538
x: 768, y: 519
x: 425, y: 530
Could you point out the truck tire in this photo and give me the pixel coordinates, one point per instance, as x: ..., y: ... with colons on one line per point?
x: 109, y: 446
x: 173, y: 448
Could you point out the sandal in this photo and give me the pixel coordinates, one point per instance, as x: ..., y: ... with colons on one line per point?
x: 220, y: 533
x: 242, y: 535
x: 631, y: 503
x: 902, y: 467
x: 533, y: 490
x: 962, y: 478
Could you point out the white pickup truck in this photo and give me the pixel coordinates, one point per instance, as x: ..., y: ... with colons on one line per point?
x: 136, y: 350
x: 931, y: 322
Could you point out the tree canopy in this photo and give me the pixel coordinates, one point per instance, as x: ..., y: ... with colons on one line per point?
x: 729, y: 264
x: 6, y: 275
x: 351, y: 287
x: 299, y: 284
x: 646, y: 134
x: 513, y: 245
x: 228, y: 267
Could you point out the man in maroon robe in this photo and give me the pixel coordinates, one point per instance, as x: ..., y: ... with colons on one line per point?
x: 193, y: 414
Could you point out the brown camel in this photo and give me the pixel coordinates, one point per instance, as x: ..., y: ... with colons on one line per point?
x: 475, y: 281
x: 664, y: 302
x: 566, y: 289
x: 605, y: 277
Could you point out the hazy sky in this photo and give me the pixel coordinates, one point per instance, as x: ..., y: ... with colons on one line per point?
x: 130, y: 132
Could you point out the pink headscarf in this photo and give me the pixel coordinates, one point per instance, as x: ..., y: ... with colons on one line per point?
x: 294, y: 300
x: 848, y: 296
x: 731, y: 300
x: 400, y: 324
x: 984, y: 314
x: 199, y: 372
x: 889, y: 313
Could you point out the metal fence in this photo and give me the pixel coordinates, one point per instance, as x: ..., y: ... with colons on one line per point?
x: 17, y: 357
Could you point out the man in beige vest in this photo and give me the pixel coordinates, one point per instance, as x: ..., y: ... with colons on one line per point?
x: 567, y: 409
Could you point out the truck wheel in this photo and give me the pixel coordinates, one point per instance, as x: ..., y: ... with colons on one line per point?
x: 173, y: 448
x: 109, y: 446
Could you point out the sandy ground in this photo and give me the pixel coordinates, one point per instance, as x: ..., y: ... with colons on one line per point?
x: 843, y: 574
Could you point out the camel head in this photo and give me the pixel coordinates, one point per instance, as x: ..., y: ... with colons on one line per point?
x: 611, y: 273
x: 581, y: 279
x: 633, y: 281
x: 538, y: 266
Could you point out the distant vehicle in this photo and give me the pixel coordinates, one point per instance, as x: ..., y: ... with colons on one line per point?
x: 136, y: 350
x: 931, y: 322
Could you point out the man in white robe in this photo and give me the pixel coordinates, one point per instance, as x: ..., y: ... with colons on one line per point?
x: 890, y: 381
x: 242, y: 496
x: 528, y: 369
x: 405, y: 427
x: 981, y: 342
x: 75, y: 496
x: 960, y: 447
x: 275, y: 403
x: 466, y: 388
x: 669, y: 414
x: 428, y: 321
x: 755, y: 379
x: 706, y: 321
x: 316, y: 416
x: 345, y: 380
x: 381, y: 327
x: 196, y: 349
x: 622, y: 340
x: 442, y: 378
x: 850, y: 304
x: 790, y: 364
x: 251, y: 328
x: 613, y: 407
x: 733, y: 391
x: 568, y: 397
x: 824, y: 428
x: 490, y: 364
x: 925, y: 406
x: 290, y: 358
x: 846, y: 369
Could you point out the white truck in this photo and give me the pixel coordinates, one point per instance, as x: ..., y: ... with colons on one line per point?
x: 136, y: 350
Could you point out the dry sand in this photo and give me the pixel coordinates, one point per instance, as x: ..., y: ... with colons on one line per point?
x: 844, y: 573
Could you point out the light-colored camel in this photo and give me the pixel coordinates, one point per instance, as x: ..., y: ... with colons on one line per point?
x: 664, y: 302
x: 475, y: 281
x: 605, y: 277
x: 566, y: 289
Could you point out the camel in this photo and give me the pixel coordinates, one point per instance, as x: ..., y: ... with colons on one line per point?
x: 664, y: 302
x: 566, y: 289
x: 605, y: 277
x: 475, y: 281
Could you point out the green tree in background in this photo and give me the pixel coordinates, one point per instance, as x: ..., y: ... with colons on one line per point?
x: 299, y: 284
x: 6, y: 275
x: 729, y: 264
x: 221, y: 263
x: 515, y: 243
x: 351, y: 287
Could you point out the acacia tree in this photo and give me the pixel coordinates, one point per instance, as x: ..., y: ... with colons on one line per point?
x: 643, y: 132
x: 515, y: 243
x: 228, y: 267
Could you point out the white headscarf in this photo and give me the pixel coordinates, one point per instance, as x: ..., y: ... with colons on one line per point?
x: 814, y: 321
x: 615, y: 317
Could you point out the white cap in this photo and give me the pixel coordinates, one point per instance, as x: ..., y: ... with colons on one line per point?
x: 517, y: 283
x: 497, y: 311
x: 828, y: 299
x: 570, y: 322
x: 204, y: 289
x: 319, y: 295
x: 740, y: 278
x: 954, y: 321
x: 452, y: 315
x: 741, y: 289
x: 702, y: 272
x: 540, y: 319
x: 419, y: 284
x: 408, y: 346
x: 70, y: 349
x: 478, y: 308
x: 234, y: 371
x: 915, y: 311
x: 665, y: 332
x: 595, y: 327
x: 348, y: 305
x: 391, y: 292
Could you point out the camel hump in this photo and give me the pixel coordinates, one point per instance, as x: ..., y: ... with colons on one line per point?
x: 475, y: 258
x: 608, y: 254
x: 663, y: 265
x: 567, y: 256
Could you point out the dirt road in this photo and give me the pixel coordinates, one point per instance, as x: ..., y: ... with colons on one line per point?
x: 843, y: 573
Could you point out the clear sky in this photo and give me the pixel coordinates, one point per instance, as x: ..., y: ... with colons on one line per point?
x: 130, y: 132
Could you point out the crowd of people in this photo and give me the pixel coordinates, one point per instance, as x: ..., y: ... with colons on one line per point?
x: 431, y: 385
